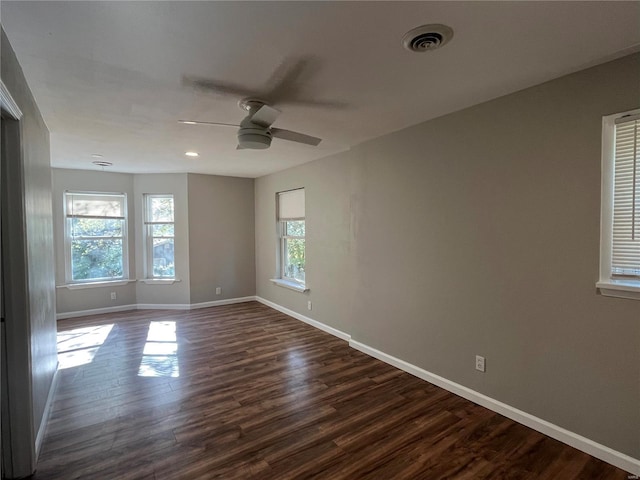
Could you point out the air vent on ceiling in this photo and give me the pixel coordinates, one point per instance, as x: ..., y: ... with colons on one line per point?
x: 427, y: 38
x: 102, y: 163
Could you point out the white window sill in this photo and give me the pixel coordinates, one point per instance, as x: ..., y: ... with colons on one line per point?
x: 620, y: 289
x: 159, y: 281
x: 290, y: 284
x: 107, y: 283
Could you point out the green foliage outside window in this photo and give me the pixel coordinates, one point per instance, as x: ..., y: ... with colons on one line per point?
x: 96, y: 248
x: 294, y: 246
x: 161, y: 235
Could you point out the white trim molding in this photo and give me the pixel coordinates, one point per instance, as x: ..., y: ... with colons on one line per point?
x: 159, y: 281
x: 217, y: 303
x: 618, y: 459
x: 620, y: 289
x: 95, y: 311
x: 290, y: 284
x: 8, y: 103
x: 310, y: 321
x: 153, y: 306
x: 42, y: 429
x: 108, y: 283
x: 163, y: 306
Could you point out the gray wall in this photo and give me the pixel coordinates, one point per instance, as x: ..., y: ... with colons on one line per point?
x: 38, y: 231
x: 478, y: 233
x: 221, y: 237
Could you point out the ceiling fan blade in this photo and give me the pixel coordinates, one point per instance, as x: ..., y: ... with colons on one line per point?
x: 287, y: 78
x: 265, y: 116
x: 215, y: 86
x: 240, y: 147
x: 287, y: 83
x: 295, y: 136
x: 307, y: 102
x: 196, y: 122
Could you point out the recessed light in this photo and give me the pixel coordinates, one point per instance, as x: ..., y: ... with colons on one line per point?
x: 96, y: 155
x: 187, y: 122
x: 191, y: 154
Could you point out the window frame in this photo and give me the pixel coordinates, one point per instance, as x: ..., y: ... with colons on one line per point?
x: 281, y: 231
x: 68, y: 240
x: 608, y: 284
x: 148, y: 237
x: 283, y: 247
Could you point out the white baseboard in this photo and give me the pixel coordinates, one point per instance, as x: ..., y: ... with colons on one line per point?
x: 314, y: 323
x: 162, y: 306
x: 228, y: 301
x: 42, y: 429
x: 579, y: 442
x: 95, y: 311
x: 153, y: 306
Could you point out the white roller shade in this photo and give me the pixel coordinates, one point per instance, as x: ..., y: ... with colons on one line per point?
x: 626, y: 202
x: 291, y: 205
x: 88, y: 205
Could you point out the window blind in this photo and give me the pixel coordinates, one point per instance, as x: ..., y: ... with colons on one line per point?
x: 625, y: 259
x: 87, y: 205
x: 291, y: 205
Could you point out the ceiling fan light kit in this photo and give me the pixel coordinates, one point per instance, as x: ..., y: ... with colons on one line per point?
x: 253, y: 138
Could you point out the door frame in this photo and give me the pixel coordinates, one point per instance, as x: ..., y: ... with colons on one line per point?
x: 17, y: 429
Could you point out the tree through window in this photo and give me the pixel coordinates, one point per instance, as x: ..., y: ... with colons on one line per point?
x: 95, y: 236
x: 291, y: 219
x: 159, y: 233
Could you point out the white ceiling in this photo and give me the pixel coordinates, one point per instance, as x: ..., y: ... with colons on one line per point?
x: 107, y: 75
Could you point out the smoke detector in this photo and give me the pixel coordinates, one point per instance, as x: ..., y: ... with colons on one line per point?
x: 427, y: 38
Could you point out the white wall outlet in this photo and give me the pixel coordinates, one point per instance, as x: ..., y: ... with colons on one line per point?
x: 113, y: 295
x: 309, y: 305
x: 480, y: 363
x: 218, y: 290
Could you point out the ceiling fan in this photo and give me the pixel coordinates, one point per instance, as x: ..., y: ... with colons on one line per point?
x: 255, y: 131
x: 283, y: 87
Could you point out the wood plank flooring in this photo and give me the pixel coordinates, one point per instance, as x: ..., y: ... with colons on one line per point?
x: 245, y: 392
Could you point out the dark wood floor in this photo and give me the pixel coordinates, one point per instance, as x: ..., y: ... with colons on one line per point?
x: 251, y: 393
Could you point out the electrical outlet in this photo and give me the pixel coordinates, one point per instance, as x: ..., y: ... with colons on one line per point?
x: 480, y: 363
x: 218, y: 290
x: 309, y: 305
x: 113, y: 295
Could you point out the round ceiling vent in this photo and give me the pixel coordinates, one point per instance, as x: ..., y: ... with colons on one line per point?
x: 102, y: 163
x: 427, y: 37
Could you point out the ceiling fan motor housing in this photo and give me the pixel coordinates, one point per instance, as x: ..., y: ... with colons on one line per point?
x: 253, y: 136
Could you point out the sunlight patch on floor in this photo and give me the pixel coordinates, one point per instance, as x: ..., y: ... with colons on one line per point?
x: 160, y: 354
x: 79, y: 346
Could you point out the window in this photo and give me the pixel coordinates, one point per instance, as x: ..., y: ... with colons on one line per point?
x: 95, y: 237
x: 620, y: 224
x: 159, y: 236
x: 291, y: 230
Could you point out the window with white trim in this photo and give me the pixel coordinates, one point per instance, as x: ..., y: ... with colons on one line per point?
x: 620, y: 223
x: 291, y: 230
x: 95, y: 237
x: 159, y: 236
